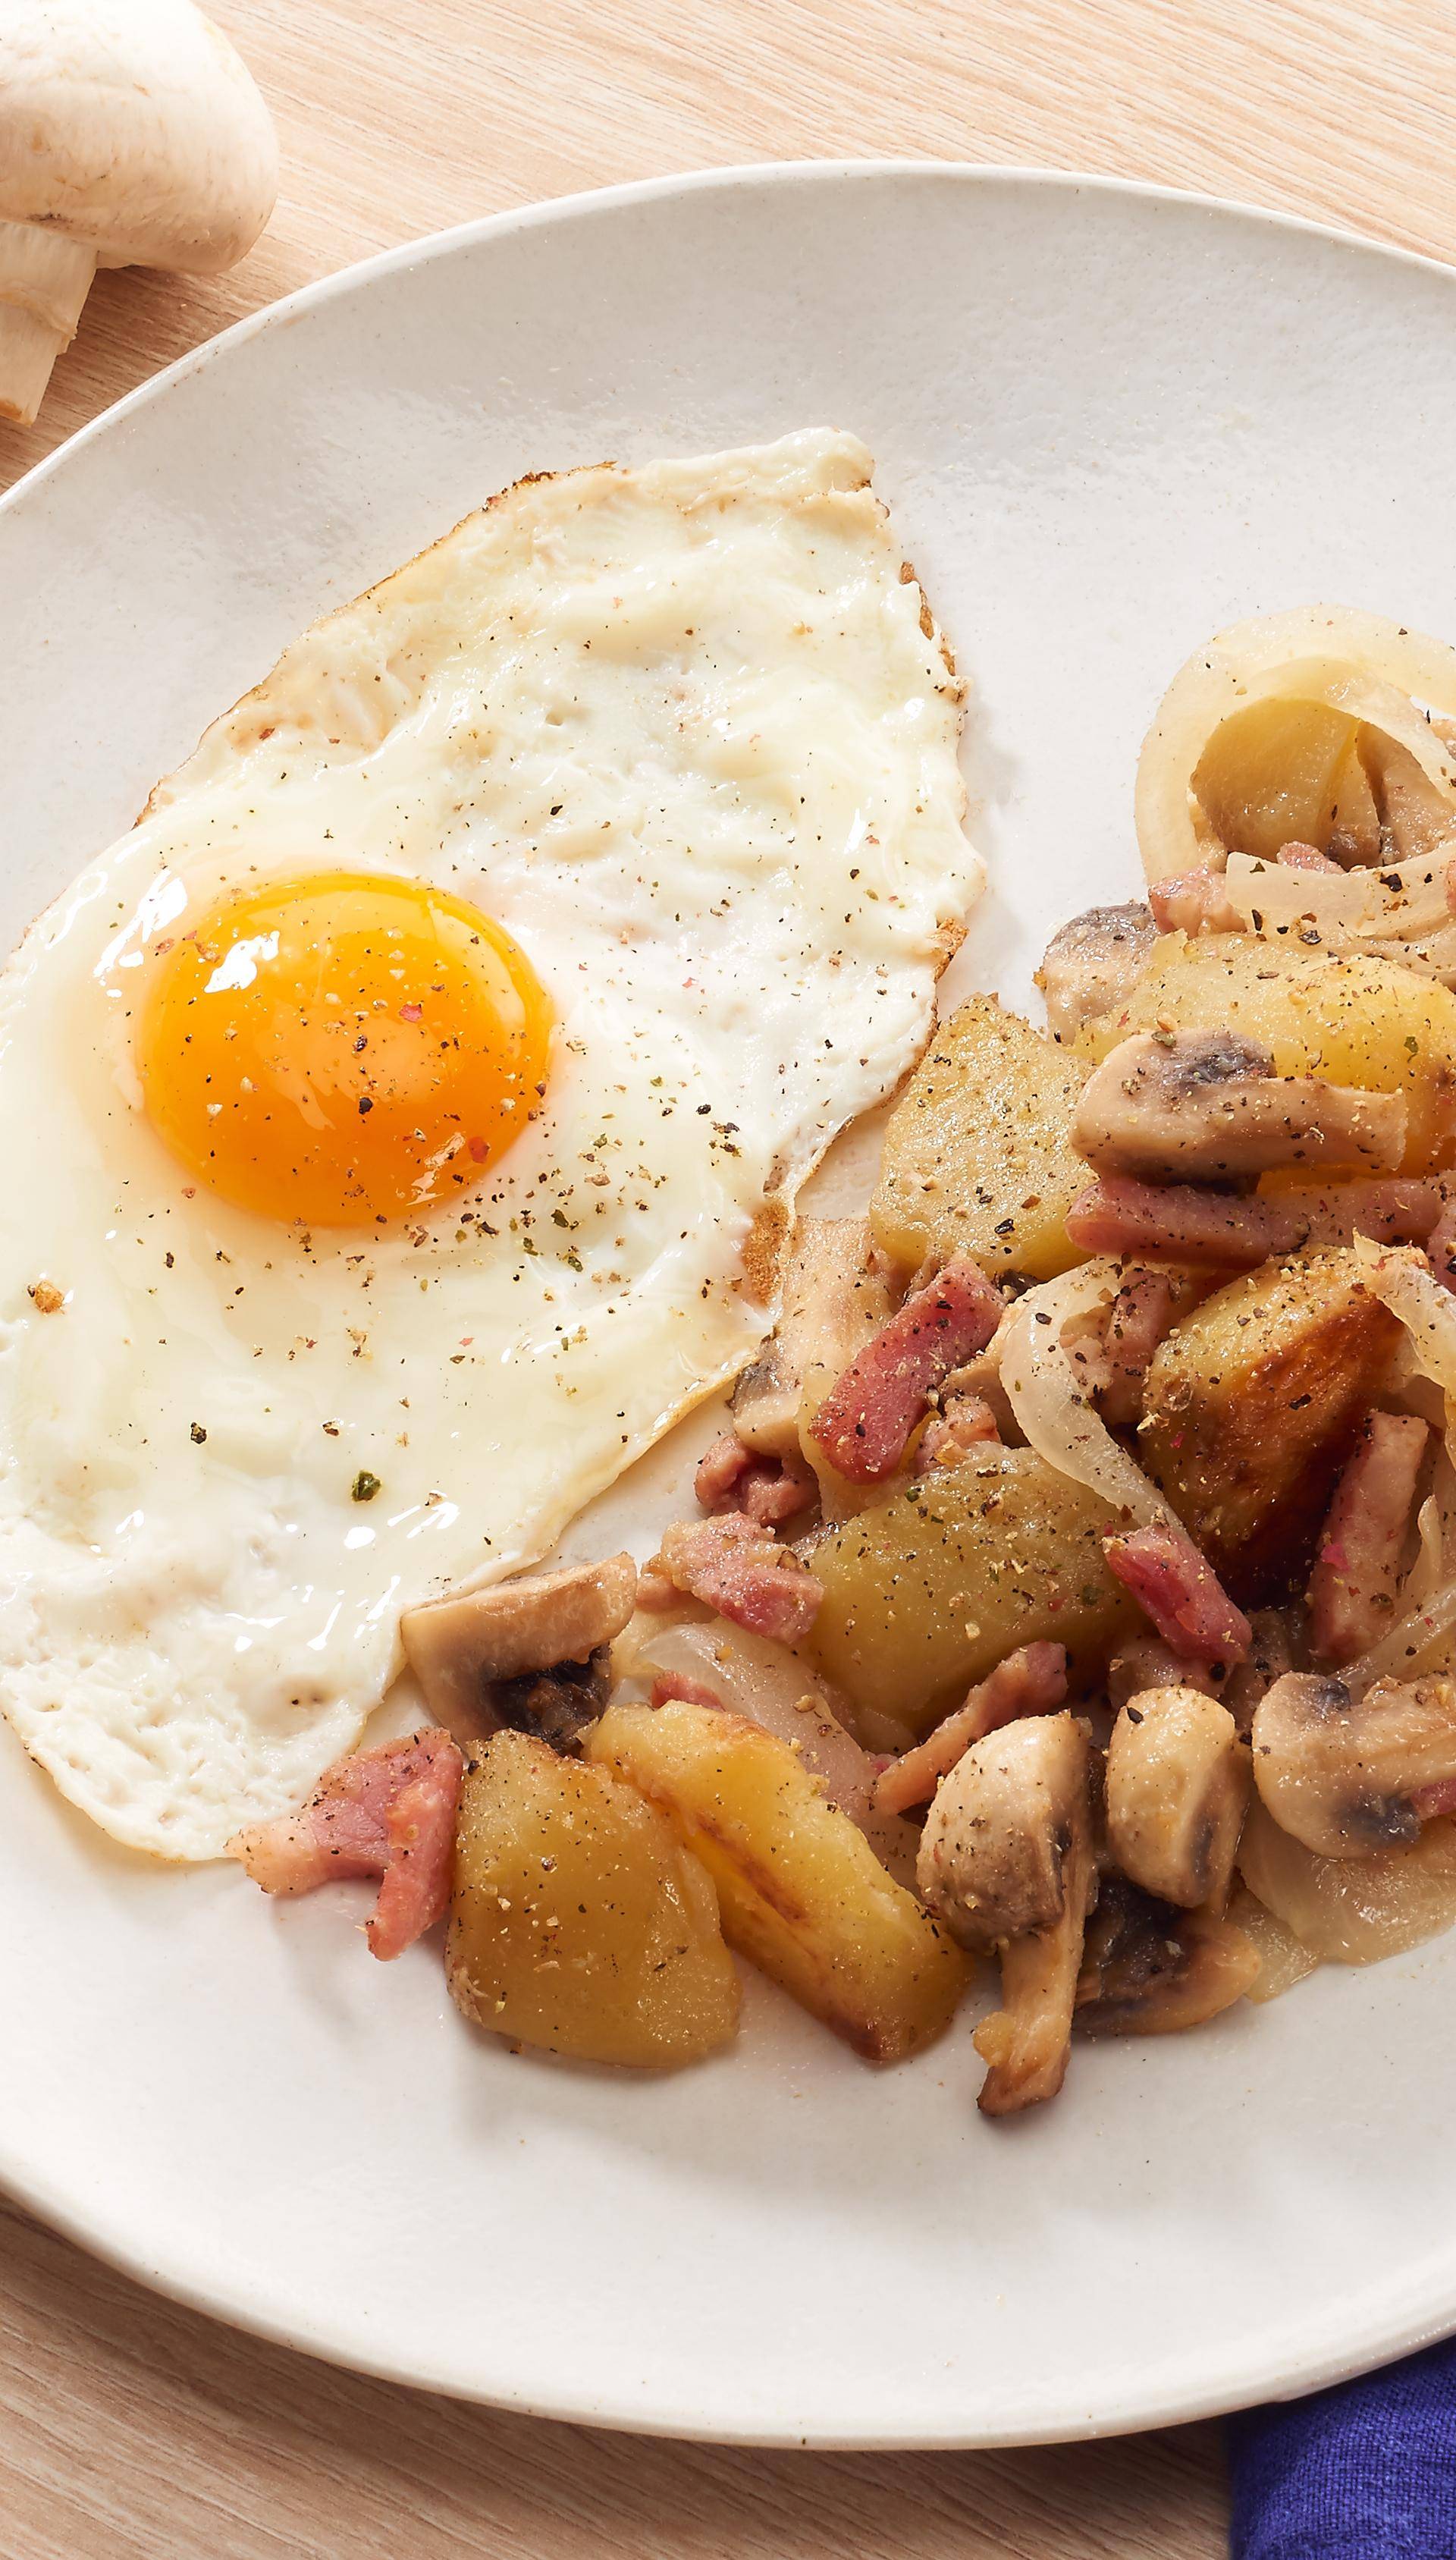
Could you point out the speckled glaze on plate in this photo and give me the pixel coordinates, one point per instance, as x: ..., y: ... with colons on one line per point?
x: 1108, y: 421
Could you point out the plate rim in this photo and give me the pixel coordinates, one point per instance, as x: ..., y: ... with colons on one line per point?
x: 737, y: 175
x: 1391, y: 2334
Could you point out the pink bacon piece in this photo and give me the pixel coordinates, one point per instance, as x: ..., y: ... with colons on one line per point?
x: 1296, y: 857
x: 1177, y: 1588
x: 389, y: 1813
x: 734, y: 1567
x: 1212, y: 1230
x: 1031, y: 1682
x: 681, y: 1684
x: 1195, y: 903
x: 732, y: 1477
x: 1140, y: 1314
x: 964, y: 1422
x: 1351, y: 1588
x: 865, y: 1421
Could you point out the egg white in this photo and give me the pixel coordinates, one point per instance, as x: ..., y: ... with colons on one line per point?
x: 686, y: 731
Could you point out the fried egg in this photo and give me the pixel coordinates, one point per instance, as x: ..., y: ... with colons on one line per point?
x: 397, y: 1124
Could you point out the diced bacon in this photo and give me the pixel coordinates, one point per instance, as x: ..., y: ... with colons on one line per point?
x: 1141, y: 1314
x: 389, y: 1813
x: 1177, y: 1588
x: 1441, y: 1245
x: 732, y: 1477
x: 671, y: 1684
x: 1195, y: 903
x: 734, y: 1567
x: 1211, y: 1230
x: 1304, y: 857
x: 1031, y: 1682
x: 1438, y: 1798
x: 1353, y: 1587
x: 963, y: 1422
x: 865, y: 1421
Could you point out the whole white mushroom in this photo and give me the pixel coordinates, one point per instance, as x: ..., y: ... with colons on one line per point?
x: 130, y: 134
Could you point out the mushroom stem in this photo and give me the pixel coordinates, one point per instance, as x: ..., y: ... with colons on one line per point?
x: 44, y: 278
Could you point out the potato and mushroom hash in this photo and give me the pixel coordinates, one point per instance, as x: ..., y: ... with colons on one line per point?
x: 1075, y: 1586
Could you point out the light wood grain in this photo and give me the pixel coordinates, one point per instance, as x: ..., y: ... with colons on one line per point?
x: 128, y: 2426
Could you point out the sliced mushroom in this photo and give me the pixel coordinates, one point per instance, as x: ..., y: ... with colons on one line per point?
x: 130, y: 134
x: 529, y: 1654
x: 1008, y: 1862
x: 1349, y: 1776
x: 1178, y: 1785
x: 1206, y: 1106
x: 1093, y: 963
x: 1151, y: 1970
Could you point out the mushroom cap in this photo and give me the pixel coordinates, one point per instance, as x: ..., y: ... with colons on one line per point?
x: 1002, y: 1831
x: 1340, y: 1773
x: 1177, y: 1783
x: 458, y: 1644
x: 134, y: 126
x: 1151, y: 1970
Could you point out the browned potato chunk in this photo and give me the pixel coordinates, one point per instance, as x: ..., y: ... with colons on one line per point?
x: 925, y: 1593
x: 580, y: 1922
x: 801, y: 1891
x: 1356, y: 1022
x: 1251, y: 1404
x: 977, y: 1155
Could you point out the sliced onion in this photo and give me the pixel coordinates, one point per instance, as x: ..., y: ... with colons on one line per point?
x: 768, y: 1685
x: 1401, y: 1277
x: 1353, y: 1910
x: 1283, y: 1961
x: 1041, y: 1385
x: 1359, y: 665
x: 1410, y: 899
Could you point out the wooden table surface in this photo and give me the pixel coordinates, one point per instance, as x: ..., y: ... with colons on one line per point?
x: 126, y: 2426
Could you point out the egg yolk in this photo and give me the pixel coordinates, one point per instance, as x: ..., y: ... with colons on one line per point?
x: 341, y: 1049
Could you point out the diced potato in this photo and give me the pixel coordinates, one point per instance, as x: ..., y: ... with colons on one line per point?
x: 926, y: 1592
x: 977, y: 1155
x: 1365, y: 1023
x: 580, y: 1922
x: 1251, y: 1404
x: 800, y: 1888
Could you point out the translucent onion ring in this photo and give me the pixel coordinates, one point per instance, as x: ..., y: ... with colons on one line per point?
x: 1042, y: 1386
x: 1360, y: 664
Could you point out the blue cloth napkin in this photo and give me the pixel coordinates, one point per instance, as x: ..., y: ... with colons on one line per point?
x: 1366, y: 2471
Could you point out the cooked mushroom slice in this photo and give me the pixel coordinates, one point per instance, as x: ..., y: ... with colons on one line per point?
x: 1093, y: 963
x: 1151, y: 1970
x: 528, y: 1653
x: 1177, y: 1789
x: 1206, y: 1106
x: 1008, y: 1862
x: 1347, y: 1776
x: 833, y: 1301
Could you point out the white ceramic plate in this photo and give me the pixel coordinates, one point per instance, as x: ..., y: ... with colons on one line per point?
x: 1107, y: 421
